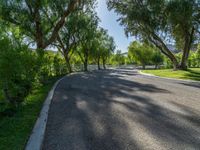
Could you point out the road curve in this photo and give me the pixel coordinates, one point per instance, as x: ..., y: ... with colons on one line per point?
x: 123, y: 110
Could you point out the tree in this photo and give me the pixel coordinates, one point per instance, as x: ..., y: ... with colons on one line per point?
x: 97, y: 47
x: 117, y: 59
x: 140, y: 53
x: 68, y: 38
x: 182, y: 19
x: 86, y: 35
x: 103, y: 47
x: 156, y: 22
x: 108, y: 49
x: 35, y: 18
x: 157, y: 58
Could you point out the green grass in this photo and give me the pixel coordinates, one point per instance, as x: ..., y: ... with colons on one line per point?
x: 15, y: 131
x: 191, y: 74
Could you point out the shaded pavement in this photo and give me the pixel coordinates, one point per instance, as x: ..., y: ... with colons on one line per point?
x: 123, y: 110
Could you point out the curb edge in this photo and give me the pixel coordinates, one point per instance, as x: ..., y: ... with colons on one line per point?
x: 36, y: 138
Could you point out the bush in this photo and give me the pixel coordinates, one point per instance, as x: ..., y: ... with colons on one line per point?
x: 51, y: 64
x: 17, y: 71
x: 46, y: 64
x: 167, y: 63
x: 117, y: 59
x: 144, y: 54
x: 157, y: 58
x: 59, y: 65
x: 197, y: 53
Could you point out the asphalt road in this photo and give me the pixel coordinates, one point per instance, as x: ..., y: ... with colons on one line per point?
x: 123, y: 110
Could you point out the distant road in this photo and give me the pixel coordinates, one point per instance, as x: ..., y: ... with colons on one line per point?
x: 120, y: 109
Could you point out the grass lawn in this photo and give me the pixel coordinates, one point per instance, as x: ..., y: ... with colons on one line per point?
x: 15, y: 131
x: 191, y: 74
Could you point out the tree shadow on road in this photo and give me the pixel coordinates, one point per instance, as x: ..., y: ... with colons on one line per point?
x: 103, y: 111
x: 191, y: 84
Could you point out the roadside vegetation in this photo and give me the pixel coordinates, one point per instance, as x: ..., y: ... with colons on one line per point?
x: 190, y: 74
x: 144, y: 54
x: 16, y: 127
x: 160, y: 23
x: 30, y: 30
x: 41, y: 41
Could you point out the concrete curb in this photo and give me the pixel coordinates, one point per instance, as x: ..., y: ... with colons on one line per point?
x: 151, y: 75
x: 36, y: 138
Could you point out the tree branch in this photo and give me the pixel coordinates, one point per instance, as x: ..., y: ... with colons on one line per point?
x: 61, y: 22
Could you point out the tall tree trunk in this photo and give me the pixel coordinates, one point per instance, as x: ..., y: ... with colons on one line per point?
x: 61, y: 22
x: 158, y: 42
x: 69, y: 68
x: 186, y: 50
x: 98, y: 63
x: 86, y: 66
x: 184, y: 59
x: 86, y: 60
x: 175, y: 64
x: 104, y: 64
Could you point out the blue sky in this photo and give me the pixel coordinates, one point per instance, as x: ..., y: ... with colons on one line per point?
x: 109, y: 22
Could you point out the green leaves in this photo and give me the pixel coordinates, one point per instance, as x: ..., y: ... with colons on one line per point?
x: 40, y: 20
x: 161, y: 22
x: 17, y: 71
x: 144, y: 54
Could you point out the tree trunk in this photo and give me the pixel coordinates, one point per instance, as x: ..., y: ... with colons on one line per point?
x: 183, y: 64
x: 104, y: 65
x: 175, y: 64
x: 86, y: 60
x: 157, y: 41
x: 85, y: 66
x: 61, y: 22
x: 98, y: 63
x: 69, y: 68
x: 186, y: 50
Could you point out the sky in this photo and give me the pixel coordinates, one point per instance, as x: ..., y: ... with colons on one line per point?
x: 109, y: 22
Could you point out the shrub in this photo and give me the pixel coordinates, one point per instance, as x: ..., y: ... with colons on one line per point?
x: 141, y: 53
x: 51, y: 64
x: 59, y: 65
x: 17, y: 71
x: 157, y: 58
x: 117, y: 59
x: 46, y: 64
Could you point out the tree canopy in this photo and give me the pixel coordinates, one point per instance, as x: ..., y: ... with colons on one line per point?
x: 161, y: 22
x: 40, y: 20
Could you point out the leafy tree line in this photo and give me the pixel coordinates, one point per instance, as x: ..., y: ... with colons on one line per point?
x: 194, y: 58
x: 29, y: 27
x: 21, y: 69
x: 117, y: 59
x: 161, y: 22
x: 144, y: 54
x: 81, y: 37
